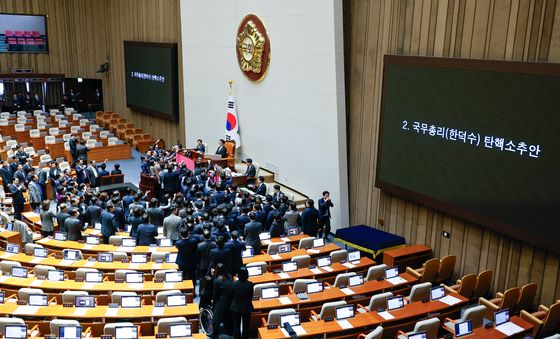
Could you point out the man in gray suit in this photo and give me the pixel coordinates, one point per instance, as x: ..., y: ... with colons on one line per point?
x: 291, y: 218
x: 252, y: 230
x: 74, y: 226
x: 171, y: 225
x: 35, y: 193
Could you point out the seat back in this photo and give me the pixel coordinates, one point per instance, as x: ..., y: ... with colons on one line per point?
x: 468, y: 283
x: 259, y: 287
x: 9, y: 321
x: 303, y: 261
x: 551, y: 323
x: 482, y: 284
x: 50, y: 139
x: 230, y: 147
x: 29, y: 247
x: 116, y: 296
x: 300, y: 285
x: 112, y: 141
x: 329, y: 309
x: 160, y: 274
x: 378, y: 301
x: 121, y: 274
x: 110, y: 329
x: 42, y: 270
x: 115, y: 240
x: 119, y: 256
x: 155, y: 256
x: 431, y: 326
x: 377, y: 333
x: 19, y: 127
x: 431, y: 268
x: 342, y: 279
x: 34, y: 133
x: 23, y: 293
x: 81, y: 272
x: 56, y: 323
x: 68, y: 297
x: 274, y: 315
x: 419, y: 292
x: 474, y: 314
x: 163, y: 324
x: 338, y: 256
x: 161, y: 297
x: 6, y: 266
x: 375, y: 272
x: 510, y: 298
x: 446, y: 268
x: 306, y: 243
x: 526, y: 297
x: 273, y: 247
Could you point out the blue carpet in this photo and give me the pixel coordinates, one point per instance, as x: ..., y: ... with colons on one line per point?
x: 130, y: 167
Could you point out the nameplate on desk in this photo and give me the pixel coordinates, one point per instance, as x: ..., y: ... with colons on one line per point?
x: 104, y: 337
x: 50, y: 336
x: 386, y: 315
x: 119, y: 281
x: 328, y: 319
x: 159, y: 261
x: 125, y: 261
x: 272, y: 326
x: 67, y: 305
x: 158, y: 281
x: 79, y: 279
x: 160, y: 304
x: 161, y: 335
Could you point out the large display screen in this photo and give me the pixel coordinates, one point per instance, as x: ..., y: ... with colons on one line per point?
x: 151, y: 78
x: 23, y: 33
x: 476, y: 139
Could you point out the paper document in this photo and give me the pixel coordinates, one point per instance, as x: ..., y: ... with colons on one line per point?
x: 285, y: 239
x: 37, y: 260
x: 112, y: 312
x: 344, y: 324
x: 158, y: 311
x: 88, y: 286
x: 26, y: 310
x: 347, y: 291
x: 450, y: 300
x: 396, y: 280
x: 276, y: 257
x: 266, y: 242
x: 89, y: 263
x: 509, y: 328
x: 386, y: 315
x: 283, y: 275
x: 328, y: 268
x: 284, y: 300
x: 316, y: 271
x: 80, y: 312
x: 349, y: 265
x: 299, y: 330
x: 312, y: 251
x: 66, y: 262
x: 36, y: 283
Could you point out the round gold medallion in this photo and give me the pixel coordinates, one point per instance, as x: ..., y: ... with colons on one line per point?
x: 253, y: 48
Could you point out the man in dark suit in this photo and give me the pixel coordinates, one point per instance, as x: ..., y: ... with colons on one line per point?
x: 102, y: 170
x: 222, y: 148
x: 155, y: 213
x: 7, y: 176
x: 252, y: 231
x: 92, y: 174
x: 169, y: 181
x: 242, y: 305
x: 310, y: 219
x: 203, y: 255
x: 236, y: 249
x: 81, y: 151
x: 73, y: 143
x: 117, y: 169
x: 277, y: 194
x: 20, y: 174
x: 17, y: 189
x: 73, y: 226
x: 261, y: 188
x: 200, y: 146
x: 220, y: 254
x: 251, y: 170
x: 94, y: 212
x: 120, y: 218
x: 186, y: 254
x: 325, y: 205
x: 242, y: 220
x: 108, y: 223
x: 147, y: 233
x: 61, y: 217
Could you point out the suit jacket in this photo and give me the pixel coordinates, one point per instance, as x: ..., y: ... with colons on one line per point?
x: 252, y: 231
x: 235, y: 249
x: 156, y: 215
x: 222, y: 150
x: 20, y: 175
x: 186, y: 251
x: 74, y: 228
x: 61, y: 218
x: 119, y: 217
x: 108, y: 223
x: 251, y: 171
x: 325, y: 208
x: 276, y: 229
x: 310, y: 221
x: 17, y: 194
x: 81, y: 152
x: 203, y: 255
x: 47, y: 222
x: 171, y: 226
x: 170, y: 180
x: 92, y: 175
x: 220, y: 255
x: 116, y: 171
x: 94, y: 213
x: 73, y: 143
x: 242, y: 301
x: 147, y: 234
x: 261, y: 189
x: 7, y: 176
x: 292, y: 218
x: 35, y: 195
x: 241, y: 221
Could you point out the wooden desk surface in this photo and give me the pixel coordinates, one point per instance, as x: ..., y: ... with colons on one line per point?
x: 277, y: 258
x: 74, y: 245
x: 10, y: 236
x: 407, y: 250
x: 106, y: 286
x: 306, y: 273
x: 113, y: 152
x: 330, y: 294
x: 492, y: 333
x: 67, y: 265
x: 369, y: 319
x: 289, y: 240
x: 59, y: 311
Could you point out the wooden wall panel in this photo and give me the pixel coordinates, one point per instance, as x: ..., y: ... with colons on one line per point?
x: 83, y: 33
x: 527, y: 30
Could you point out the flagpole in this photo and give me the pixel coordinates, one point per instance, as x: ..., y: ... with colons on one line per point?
x: 230, y: 87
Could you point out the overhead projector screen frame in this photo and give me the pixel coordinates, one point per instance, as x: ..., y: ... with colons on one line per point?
x: 532, y: 68
x: 46, y: 24
x: 175, y: 81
